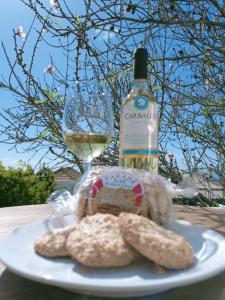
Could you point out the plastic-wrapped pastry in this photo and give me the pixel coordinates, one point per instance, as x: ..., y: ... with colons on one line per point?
x: 115, y: 189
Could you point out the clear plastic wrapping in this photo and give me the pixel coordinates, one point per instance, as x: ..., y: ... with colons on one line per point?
x: 116, y: 189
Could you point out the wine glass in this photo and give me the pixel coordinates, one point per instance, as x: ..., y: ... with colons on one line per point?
x: 87, y: 120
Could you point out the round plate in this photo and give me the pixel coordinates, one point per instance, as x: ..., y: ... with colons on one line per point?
x: 17, y: 254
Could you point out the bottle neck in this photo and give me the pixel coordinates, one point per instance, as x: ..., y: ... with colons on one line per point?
x: 140, y: 63
x: 139, y: 84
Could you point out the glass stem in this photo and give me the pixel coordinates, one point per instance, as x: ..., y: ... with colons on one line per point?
x: 87, y: 166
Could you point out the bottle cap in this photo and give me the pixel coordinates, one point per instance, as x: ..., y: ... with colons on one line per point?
x: 140, y: 63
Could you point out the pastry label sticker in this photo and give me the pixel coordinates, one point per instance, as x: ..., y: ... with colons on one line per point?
x: 120, y: 180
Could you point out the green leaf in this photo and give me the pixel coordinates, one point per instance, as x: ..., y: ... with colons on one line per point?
x: 119, y: 75
x: 39, y: 101
x: 51, y: 96
x: 156, y: 87
x: 54, y: 96
x: 44, y: 133
x: 78, y: 19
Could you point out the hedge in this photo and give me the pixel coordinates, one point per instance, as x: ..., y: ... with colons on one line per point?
x: 22, y: 186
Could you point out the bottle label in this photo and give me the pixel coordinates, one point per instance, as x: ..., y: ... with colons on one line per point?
x: 141, y: 102
x: 139, y: 128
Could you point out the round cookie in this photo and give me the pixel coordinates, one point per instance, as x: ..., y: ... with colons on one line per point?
x: 53, y: 243
x: 97, y: 242
x: 162, y: 246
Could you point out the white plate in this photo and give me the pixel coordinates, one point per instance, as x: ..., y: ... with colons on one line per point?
x: 16, y: 253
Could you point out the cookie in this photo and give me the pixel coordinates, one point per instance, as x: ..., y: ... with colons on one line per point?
x: 97, y: 242
x: 53, y: 243
x: 158, y: 244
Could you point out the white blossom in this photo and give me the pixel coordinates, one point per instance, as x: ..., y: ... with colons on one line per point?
x: 20, y: 32
x: 54, y: 5
x: 207, y: 84
x: 169, y: 156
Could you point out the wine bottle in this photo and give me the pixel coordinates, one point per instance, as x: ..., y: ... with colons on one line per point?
x: 139, y: 121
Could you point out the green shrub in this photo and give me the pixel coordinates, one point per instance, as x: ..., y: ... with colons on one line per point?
x: 198, y: 200
x: 23, y: 187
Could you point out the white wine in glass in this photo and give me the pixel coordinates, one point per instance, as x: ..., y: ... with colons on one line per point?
x: 86, y: 146
x: 87, y: 121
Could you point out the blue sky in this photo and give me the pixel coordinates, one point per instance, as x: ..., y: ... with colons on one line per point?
x: 14, y: 13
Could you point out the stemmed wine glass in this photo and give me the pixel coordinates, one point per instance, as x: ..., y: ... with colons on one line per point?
x: 87, y: 120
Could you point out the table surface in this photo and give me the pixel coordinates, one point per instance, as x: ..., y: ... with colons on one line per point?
x: 13, y: 287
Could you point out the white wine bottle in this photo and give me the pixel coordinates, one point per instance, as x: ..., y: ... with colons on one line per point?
x: 139, y: 119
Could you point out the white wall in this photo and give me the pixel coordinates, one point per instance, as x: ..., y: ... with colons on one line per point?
x: 212, y: 194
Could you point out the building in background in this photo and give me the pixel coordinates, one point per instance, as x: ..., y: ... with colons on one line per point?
x: 66, y: 178
x: 209, y: 188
